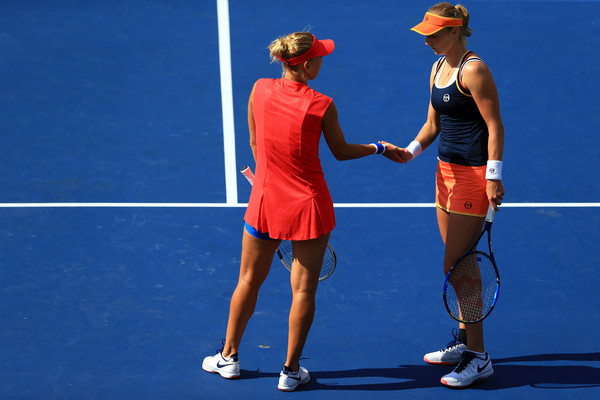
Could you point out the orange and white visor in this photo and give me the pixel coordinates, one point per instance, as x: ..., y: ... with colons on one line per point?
x: 434, y: 23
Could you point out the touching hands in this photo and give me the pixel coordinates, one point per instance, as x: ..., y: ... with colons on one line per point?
x: 395, y: 153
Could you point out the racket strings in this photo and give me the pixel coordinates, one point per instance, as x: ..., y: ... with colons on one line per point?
x: 472, y: 288
x: 286, y: 254
x: 329, y: 262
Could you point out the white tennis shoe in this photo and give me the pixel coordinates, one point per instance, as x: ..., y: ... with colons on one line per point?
x: 470, y: 369
x: 451, y: 354
x: 289, y: 381
x: 226, y: 367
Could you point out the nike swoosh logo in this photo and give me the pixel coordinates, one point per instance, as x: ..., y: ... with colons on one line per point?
x: 479, y: 369
x: 294, y: 378
x: 219, y: 365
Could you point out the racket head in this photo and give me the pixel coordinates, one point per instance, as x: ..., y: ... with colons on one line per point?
x: 471, y: 287
x: 329, y: 263
x: 286, y: 256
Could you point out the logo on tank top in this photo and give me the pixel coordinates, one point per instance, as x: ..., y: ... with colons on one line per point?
x: 446, y: 97
x: 468, y: 205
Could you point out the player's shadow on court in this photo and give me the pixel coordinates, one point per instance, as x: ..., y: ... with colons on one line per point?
x: 508, y: 373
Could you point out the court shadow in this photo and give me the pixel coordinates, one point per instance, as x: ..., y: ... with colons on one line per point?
x: 508, y: 373
x: 551, y: 357
x: 246, y: 374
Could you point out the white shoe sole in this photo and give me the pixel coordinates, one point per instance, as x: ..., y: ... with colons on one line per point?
x: 484, y: 375
x: 440, y: 362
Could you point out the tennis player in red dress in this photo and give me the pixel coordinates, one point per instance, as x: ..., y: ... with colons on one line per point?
x: 289, y: 115
x: 290, y: 199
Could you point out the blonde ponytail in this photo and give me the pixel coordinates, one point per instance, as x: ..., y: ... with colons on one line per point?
x: 290, y: 46
x: 464, y: 14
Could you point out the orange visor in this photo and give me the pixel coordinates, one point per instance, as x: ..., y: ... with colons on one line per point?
x: 319, y: 48
x: 434, y: 23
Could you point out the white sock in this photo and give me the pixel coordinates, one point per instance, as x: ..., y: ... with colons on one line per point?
x: 479, y: 355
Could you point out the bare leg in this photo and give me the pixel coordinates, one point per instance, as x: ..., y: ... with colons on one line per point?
x: 308, y: 257
x: 257, y: 256
x: 458, y: 233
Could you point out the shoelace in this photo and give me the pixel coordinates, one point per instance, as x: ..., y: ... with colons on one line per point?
x: 220, y: 351
x: 465, y: 360
x: 233, y: 357
x: 288, y: 371
x: 454, y: 342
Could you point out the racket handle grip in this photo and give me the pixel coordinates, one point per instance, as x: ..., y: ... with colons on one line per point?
x: 247, y: 172
x: 490, y: 214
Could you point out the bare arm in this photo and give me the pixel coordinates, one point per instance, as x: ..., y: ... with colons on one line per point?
x: 478, y: 79
x: 341, y: 150
x: 431, y: 128
x: 251, y: 124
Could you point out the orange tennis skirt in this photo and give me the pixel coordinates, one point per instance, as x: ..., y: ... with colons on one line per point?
x: 461, y: 189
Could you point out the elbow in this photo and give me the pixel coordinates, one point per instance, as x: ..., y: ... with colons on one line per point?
x: 348, y: 151
x: 342, y: 156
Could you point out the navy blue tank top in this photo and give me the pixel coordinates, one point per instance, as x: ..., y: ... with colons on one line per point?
x: 464, y: 135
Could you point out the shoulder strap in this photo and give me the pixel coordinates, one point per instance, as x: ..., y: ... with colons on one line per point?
x: 465, y: 60
x: 438, y: 66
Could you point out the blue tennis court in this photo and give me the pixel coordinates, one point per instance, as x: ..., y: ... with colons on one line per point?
x: 123, y: 128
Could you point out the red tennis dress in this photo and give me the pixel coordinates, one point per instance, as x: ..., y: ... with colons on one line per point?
x: 290, y: 199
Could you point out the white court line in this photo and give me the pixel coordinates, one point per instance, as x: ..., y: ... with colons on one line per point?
x: 424, y: 205
x: 121, y: 205
x: 243, y: 205
x: 227, y: 102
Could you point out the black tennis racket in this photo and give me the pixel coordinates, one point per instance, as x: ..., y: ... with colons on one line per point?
x: 285, y: 250
x: 473, y: 283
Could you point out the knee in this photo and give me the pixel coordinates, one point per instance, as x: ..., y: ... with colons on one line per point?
x: 305, y: 293
x: 250, y: 282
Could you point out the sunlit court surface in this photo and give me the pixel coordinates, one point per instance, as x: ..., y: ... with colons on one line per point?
x: 123, y: 127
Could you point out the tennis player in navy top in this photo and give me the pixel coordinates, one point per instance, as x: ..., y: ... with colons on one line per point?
x: 464, y: 112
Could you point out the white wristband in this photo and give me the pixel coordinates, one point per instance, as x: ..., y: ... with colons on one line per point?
x: 415, y: 148
x: 494, y: 170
